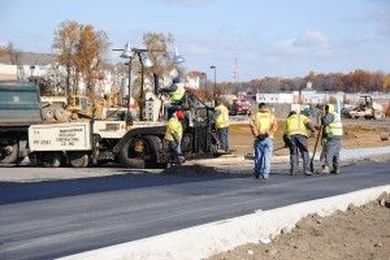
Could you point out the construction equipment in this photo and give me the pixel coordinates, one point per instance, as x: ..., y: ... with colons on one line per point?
x: 367, y: 109
x: 90, y: 141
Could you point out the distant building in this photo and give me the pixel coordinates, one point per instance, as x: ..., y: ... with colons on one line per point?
x: 8, y: 72
x: 195, y: 79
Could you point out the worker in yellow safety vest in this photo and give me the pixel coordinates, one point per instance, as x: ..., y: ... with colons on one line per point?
x: 176, y: 96
x: 297, y: 129
x: 222, y: 125
x: 263, y: 125
x: 333, y: 132
x: 173, y: 135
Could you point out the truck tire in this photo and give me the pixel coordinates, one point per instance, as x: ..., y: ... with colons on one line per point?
x: 9, y: 154
x: 60, y: 114
x: 53, y: 159
x: 148, y: 159
x: 48, y: 114
x: 78, y: 159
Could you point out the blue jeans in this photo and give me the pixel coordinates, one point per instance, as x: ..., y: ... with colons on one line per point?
x: 263, y: 153
x: 223, y: 135
x: 175, y: 148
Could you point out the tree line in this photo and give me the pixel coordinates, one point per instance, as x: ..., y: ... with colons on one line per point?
x: 354, y: 81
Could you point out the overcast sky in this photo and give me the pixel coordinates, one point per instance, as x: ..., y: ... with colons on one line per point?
x: 268, y: 38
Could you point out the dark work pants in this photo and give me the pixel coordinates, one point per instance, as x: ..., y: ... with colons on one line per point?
x: 298, y: 145
x: 332, y: 148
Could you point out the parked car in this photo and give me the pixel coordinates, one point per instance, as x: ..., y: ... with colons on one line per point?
x: 240, y: 107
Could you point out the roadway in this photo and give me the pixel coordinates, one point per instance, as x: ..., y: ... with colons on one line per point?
x: 43, y: 220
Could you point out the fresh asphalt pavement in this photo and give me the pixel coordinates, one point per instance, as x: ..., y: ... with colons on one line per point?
x: 43, y: 220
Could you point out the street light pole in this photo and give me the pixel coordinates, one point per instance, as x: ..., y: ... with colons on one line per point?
x: 129, y: 116
x: 141, y: 107
x: 213, y: 67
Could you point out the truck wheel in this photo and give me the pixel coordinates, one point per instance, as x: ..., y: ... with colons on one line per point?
x: 140, y: 152
x: 9, y: 154
x: 78, y: 159
x: 51, y: 159
x: 48, y: 114
x: 35, y: 159
x: 60, y: 114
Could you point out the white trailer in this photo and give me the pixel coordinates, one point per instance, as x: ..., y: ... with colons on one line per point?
x: 52, y: 144
x: 77, y: 143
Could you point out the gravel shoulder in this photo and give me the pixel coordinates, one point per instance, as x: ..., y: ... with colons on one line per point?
x: 358, y: 233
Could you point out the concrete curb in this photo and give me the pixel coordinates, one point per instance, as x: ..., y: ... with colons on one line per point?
x: 209, y: 239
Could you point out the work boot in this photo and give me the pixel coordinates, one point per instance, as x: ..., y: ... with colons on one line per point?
x: 335, y: 171
x: 325, y: 170
x: 307, y: 173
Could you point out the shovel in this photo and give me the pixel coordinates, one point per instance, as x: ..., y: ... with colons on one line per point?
x: 315, y: 149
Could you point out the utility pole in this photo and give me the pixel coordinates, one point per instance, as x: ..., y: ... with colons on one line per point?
x: 213, y: 67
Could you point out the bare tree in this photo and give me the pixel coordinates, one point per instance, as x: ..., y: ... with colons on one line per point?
x: 14, y: 54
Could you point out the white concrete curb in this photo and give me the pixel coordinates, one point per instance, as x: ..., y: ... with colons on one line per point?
x: 208, y: 239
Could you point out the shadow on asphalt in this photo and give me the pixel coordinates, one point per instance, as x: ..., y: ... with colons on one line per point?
x: 11, y: 192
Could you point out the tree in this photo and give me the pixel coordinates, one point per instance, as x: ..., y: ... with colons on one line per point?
x: 158, y: 45
x: 89, y: 54
x: 14, y: 54
x: 3, y: 51
x: 67, y: 37
x: 80, y: 49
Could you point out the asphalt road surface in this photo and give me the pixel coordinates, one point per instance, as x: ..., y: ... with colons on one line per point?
x: 44, y: 220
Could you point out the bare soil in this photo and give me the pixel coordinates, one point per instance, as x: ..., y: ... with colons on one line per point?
x: 359, y: 233
x: 358, y: 134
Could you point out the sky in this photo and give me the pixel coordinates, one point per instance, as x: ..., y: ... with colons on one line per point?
x: 264, y: 37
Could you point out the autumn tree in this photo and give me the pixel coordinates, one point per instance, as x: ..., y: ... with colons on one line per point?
x: 80, y: 49
x: 3, y: 50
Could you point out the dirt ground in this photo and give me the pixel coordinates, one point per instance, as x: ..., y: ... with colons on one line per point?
x: 358, y: 233
x: 358, y: 134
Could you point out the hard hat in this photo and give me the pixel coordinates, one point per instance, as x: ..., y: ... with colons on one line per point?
x: 180, y: 114
x: 176, y: 80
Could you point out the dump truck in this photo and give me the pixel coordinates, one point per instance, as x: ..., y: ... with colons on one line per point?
x: 84, y: 142
x: 19, y: 109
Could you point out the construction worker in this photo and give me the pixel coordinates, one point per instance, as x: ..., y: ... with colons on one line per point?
x: 333, y: 131
x: 222, y: 125
x: 263, y: 125
x: 176, y: 95
x: 296, y: 133
x: 173, y: 135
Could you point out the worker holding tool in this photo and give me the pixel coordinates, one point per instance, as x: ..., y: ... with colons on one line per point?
x: 173, y: 135
x: 222, y: 125
x: 297, y: 129
x: 263, y: 125
x: 333, y: 131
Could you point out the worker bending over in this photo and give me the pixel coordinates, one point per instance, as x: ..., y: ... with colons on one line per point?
x: 263, y: 125
x: 296, y: 133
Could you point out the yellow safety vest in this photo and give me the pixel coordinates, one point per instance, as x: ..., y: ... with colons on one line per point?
x: 263, y: 122
x: 296, y: 124
x: 222, y: 120
x: 335, y: 128
x: 179, y: 92
x: 174, y: 130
